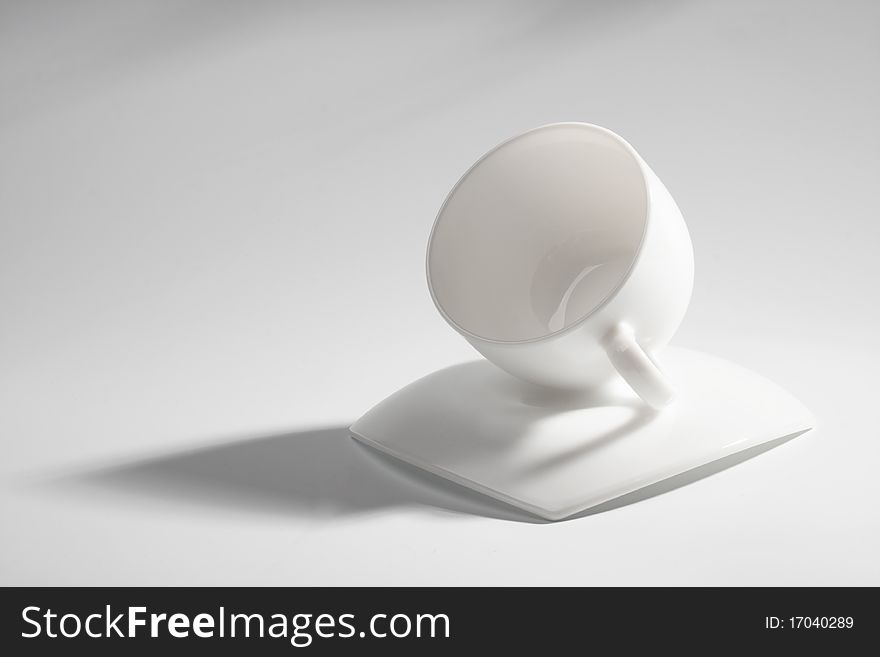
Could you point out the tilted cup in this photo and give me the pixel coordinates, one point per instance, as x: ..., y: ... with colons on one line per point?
x: 563, y: 259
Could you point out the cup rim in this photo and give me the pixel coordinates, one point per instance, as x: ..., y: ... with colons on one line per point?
x: 612, y: 293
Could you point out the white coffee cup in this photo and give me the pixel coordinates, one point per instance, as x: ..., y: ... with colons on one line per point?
x: 562, y: 258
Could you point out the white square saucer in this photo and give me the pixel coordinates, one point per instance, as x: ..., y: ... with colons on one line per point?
x: 555, y: 454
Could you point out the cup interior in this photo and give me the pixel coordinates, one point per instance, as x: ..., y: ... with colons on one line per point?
x: 538, y: 233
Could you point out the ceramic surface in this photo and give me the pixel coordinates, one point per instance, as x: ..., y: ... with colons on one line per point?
x: 554, y: 453
x: 561, y: 257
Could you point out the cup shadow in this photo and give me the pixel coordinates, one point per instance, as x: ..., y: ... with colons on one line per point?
x: 323, y: 473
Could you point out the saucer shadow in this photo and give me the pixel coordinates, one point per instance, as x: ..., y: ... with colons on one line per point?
x: 324, y: 473
x: 320, y: 472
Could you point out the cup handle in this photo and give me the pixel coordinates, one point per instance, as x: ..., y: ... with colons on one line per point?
x: 636, y: 367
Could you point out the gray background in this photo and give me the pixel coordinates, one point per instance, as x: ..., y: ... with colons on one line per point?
x: 213, y: 222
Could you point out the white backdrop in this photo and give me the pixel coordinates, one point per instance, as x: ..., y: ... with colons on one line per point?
x: 212, y: 227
